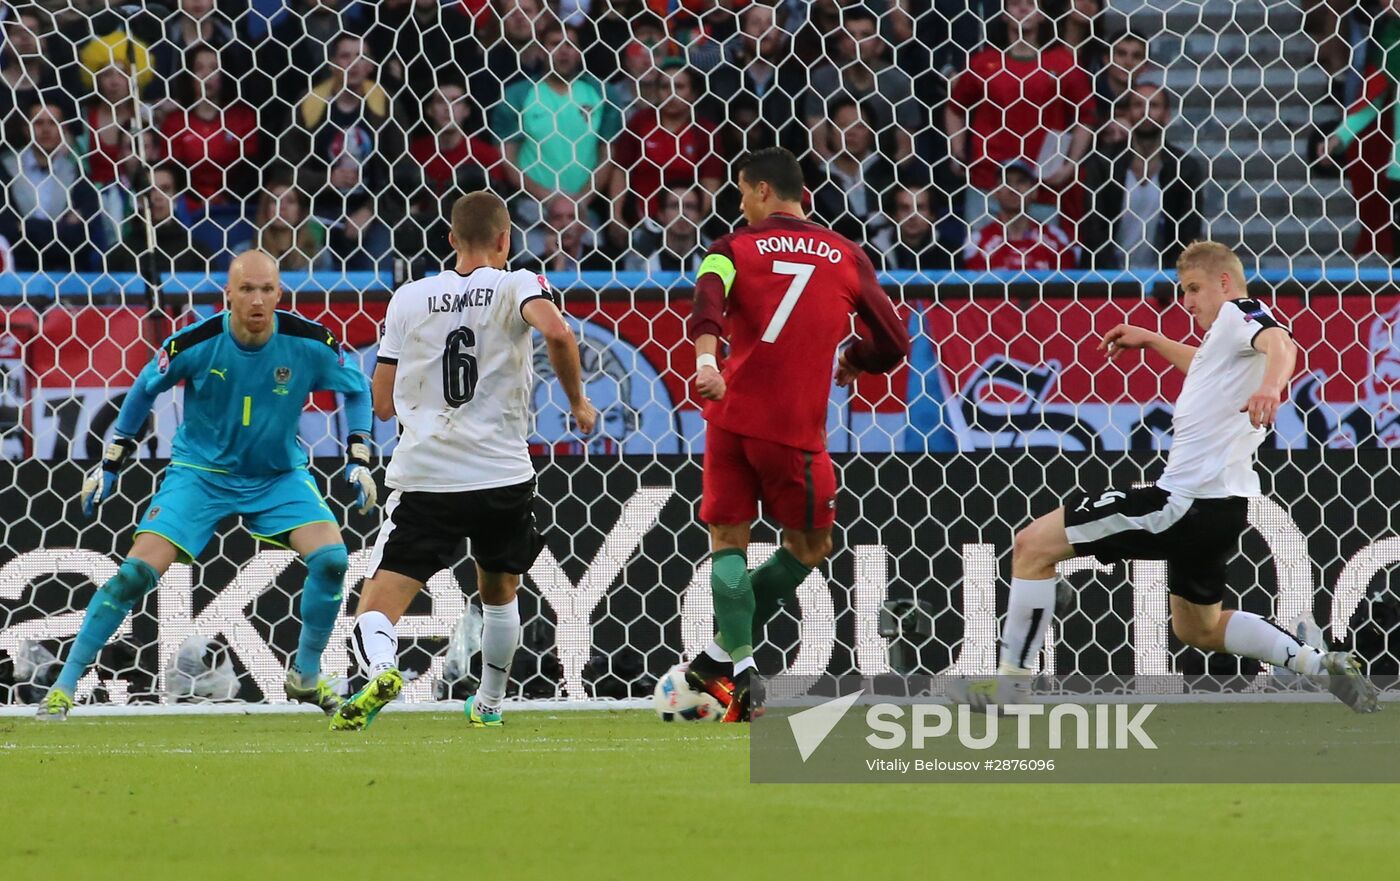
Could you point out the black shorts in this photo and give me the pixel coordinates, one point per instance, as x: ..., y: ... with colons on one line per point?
x: 422, y: 532
x: 1197, y: 537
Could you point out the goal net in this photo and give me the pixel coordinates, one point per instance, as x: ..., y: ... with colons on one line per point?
x: 1022, y: 174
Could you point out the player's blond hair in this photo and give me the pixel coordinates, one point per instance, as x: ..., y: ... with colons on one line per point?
x: 478, y: 219
x: 1212, y: 258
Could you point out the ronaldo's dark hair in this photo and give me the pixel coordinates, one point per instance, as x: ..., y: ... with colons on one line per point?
x: 775, y: 166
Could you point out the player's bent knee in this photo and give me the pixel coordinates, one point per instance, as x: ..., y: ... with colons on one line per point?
x: 496, y: 588
x: 134, y: 579
x: 328, y: 562
x: 1029, y: 546
x: 1194, y: 634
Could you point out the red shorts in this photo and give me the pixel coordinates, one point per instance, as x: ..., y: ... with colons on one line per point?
x: 798, y: 487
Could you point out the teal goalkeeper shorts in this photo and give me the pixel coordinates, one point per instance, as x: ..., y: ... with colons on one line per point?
x: 190, y: 503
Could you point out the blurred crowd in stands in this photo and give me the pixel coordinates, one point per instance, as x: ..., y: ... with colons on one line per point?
x: 1001, y: 134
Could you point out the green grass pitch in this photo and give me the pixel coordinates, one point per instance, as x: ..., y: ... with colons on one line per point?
x: 607, y: 795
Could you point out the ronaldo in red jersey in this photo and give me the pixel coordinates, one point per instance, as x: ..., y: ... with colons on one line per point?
x: 782, y: 290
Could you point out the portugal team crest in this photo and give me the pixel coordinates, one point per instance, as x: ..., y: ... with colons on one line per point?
x: 282, y: 375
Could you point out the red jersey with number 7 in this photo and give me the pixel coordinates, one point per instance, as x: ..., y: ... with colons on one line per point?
x: 783, y: 292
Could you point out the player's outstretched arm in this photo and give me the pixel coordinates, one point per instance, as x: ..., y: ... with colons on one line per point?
x: 1281, y: 359
x: 1126, y: 336
x: 101, y: 482
x: 541, y: 314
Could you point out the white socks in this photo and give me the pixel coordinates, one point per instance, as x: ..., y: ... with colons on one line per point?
x: 500, y: 636
x: 1251, y: 636
x: 376, y: 643
x: 377, y: 648
x: 1028, y: 614
x: 714, y: 651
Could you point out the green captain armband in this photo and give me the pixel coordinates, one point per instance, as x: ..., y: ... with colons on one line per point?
x: 720, y: 265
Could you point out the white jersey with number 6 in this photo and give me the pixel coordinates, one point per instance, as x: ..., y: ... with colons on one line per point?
x: 462, y: 390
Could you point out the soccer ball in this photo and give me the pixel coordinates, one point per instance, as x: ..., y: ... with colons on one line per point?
x: 676, y: 701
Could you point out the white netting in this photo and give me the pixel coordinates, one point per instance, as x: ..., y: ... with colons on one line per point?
x: 1020, y: 171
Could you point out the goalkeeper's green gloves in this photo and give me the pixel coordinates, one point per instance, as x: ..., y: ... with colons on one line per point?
x: 357, y: 473
x: 101, y: 481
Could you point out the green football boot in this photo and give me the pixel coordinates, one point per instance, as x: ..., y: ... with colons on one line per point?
x: 479, y: 719
x: 359, y: 710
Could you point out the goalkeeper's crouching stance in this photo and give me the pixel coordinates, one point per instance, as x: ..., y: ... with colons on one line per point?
x: 247, y: 373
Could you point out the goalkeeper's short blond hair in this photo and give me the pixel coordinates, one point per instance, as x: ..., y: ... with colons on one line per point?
x: 1213, y: 258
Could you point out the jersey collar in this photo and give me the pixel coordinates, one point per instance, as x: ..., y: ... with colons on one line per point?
x: 467, y: 273
x: 783, y: 216
x: 276, y: 319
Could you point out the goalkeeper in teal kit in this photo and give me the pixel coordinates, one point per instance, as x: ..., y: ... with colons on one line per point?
x: 247, y: 373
